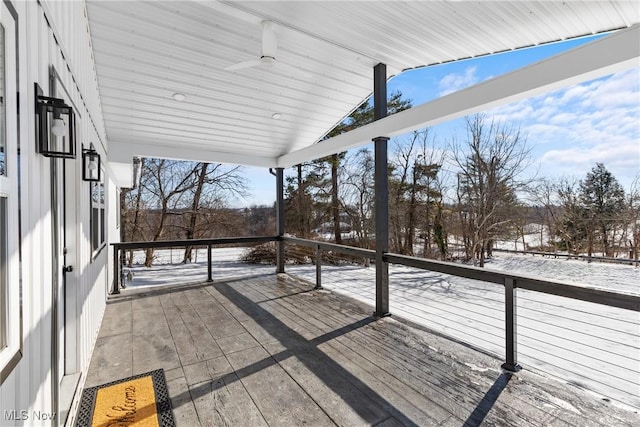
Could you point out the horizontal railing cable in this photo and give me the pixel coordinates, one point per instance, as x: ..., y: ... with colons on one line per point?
x: 598, y: 296
x: 466, y: 297
x: 573, y: 363
x: 523, y: 334
x: 569, y: 329
x: 442, y: 305
x: 523, y: 297
x: 605, y: 329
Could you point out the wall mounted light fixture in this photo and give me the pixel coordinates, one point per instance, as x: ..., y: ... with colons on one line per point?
x: 90, y: 165
x: 55, y: 125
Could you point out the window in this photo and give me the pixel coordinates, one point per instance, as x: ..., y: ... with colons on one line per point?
x: 10, y: 340
x: 97, y: 215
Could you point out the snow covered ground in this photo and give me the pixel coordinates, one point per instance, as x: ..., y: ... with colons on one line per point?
x: 593, y: 346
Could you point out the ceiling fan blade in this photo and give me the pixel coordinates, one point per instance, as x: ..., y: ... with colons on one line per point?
x: 269, y: 41
x: 243, y: 65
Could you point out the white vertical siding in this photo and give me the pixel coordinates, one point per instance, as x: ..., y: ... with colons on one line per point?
x: 55, y: 34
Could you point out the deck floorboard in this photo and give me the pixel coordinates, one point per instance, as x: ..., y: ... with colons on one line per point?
x: 270, y: 350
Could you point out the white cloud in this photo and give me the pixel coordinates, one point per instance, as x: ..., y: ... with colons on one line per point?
x: 571, y: 94
x: 455, y: 81
x: 621, y: 89
x: 565, y: 119
x: 614, y: 156
x: 573, y: 128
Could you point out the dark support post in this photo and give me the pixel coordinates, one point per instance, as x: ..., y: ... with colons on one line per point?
x: 379, y: 91
x: 511, y: 364
x: 318, y: 267
x: 381, y: 193
x: 209, y: 272
x: 280, y: 219
x: 116, y: 270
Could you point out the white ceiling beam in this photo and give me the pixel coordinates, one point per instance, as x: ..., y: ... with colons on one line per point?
x: 599, y: 58
x: 124, y: 152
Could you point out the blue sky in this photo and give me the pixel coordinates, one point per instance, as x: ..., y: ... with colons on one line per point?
x: 569, y: 130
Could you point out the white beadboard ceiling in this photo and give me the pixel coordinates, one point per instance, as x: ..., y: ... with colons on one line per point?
x: 147, y: 51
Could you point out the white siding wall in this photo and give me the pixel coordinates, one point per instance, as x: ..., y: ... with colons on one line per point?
x: 55, y: 34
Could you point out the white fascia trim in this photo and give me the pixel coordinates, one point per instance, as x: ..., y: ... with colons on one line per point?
x: 124, y: 152
x: 599, y: 58
x: 121, y: 174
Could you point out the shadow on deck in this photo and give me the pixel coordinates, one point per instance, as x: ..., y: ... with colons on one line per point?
x: 268, y: 350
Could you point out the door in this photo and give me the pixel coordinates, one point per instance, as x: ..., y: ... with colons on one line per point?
x: 65, y: 186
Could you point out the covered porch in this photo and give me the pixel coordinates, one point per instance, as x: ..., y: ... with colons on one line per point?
x: 268, y: 349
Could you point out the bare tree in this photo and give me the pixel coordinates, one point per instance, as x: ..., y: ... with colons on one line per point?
x: 357, y: 195
x: 545, y: 196
x: 491, y: 161
x: 440, y: 233
x: 361, y: 116
x: 167, y: 183
x: 571, y: 224
x: 213, y: 184
x: 415, y: 192
x: 193, y: 215
x: 400, y: 165
x: 133, y: 210
x: 169, y: 201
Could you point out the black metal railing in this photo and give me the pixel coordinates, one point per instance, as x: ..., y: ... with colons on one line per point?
x: 325, y: 246
x: 509, y: 281
x: 164, y: 244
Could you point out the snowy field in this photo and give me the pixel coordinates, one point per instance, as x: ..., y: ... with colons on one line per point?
x: 589, y: 345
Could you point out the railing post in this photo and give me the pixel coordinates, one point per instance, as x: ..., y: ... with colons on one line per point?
x: 209, y: 273
x: 280, y: 220
x: 511, y: 337
x: 116, y: 270
x: 318, y: 267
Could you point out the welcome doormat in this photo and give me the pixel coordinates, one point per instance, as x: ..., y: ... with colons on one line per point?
x: 141, y: 400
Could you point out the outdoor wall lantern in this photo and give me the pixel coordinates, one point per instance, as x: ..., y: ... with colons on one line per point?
x: 55, y: 124
x: 90, y: 165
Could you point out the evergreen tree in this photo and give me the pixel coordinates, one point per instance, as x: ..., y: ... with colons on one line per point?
x: 602, y: 198
x: 328, y: 188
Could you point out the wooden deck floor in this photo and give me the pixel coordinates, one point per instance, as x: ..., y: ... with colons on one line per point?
x: 267, y: 350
